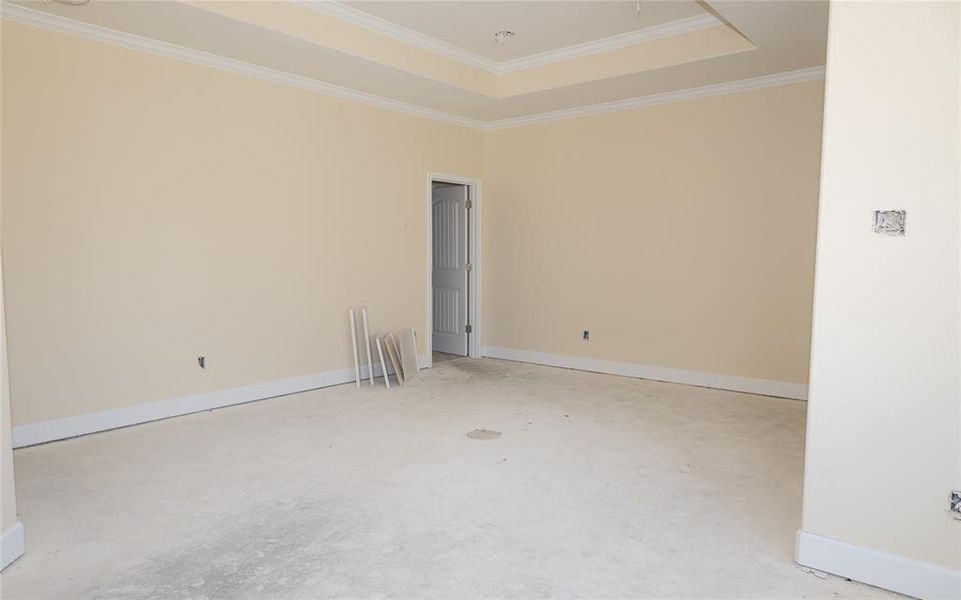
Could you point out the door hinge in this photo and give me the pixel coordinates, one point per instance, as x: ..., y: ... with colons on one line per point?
x: 470, y: 267
x: 468, y: 328
x: 470, y: 204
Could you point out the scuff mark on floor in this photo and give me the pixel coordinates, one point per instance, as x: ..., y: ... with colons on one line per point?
x: 483, y: 434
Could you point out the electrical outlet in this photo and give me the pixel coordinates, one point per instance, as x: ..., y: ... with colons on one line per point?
x: 202, y: 361
x: 954, y: 504
x: 587, y: 335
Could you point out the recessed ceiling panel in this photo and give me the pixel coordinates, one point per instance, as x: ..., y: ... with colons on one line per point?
x: 537, y: 26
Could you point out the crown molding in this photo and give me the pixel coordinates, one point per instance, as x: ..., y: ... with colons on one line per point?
x: 35, y: 18
x: 399, y: 33
x: 130, y: 41
x: 730, y: 87
x: 613, y: 42
x: 426, y: 42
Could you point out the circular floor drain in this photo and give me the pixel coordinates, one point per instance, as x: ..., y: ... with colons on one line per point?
x: 483, y: 434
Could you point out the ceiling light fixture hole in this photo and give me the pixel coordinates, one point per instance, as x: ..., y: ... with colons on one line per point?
x: 503, y: 35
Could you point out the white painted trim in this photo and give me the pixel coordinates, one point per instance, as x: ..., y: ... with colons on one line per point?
x: 731, y: 87
x: 130, y: 41
x: 67, y: 427
x: 764, y: 387
x: 11, y: 545
x: 475, y: 234
x: 400, y: 33
x: 417, y: 39
x: 21, y: 14
x: 881, y: 569
x: 613, y: 42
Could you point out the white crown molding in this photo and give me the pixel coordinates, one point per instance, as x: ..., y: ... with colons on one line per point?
x: 130, y: 41
x: 431, y: 44
x: 613, y: 42
x: 398, y: 32
x: 35, y: 18
x: 749, y: 385
x: 731, y: 87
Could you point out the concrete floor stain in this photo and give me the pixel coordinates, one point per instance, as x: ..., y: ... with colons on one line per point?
x: 483, y: 434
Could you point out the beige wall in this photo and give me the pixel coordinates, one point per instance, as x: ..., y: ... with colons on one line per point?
x: 884, y: 421
x: 680, y: 235
x: 8, y: 494
x: 155, y: 211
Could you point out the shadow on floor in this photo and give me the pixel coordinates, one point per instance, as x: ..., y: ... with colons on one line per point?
x: 442, y: 357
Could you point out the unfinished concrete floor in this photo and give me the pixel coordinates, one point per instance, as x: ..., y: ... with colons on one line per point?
x: 442, y: 357
x: 598, y: 487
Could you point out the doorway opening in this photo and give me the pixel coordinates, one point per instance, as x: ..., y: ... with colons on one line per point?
x: 453, y: 315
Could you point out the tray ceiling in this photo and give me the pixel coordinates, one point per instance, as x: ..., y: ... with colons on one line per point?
x: 435, y: 59
x: 539, y: 26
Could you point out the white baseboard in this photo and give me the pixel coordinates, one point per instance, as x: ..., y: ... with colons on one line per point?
x: 11, y: 545
x: 764, y: 387
x: 880, y: 569
x: 67, y: 427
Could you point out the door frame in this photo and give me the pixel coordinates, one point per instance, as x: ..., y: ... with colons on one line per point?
x: 474, y: 252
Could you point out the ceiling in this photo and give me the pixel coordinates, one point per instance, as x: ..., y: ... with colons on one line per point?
x: 538, y: 26
x: 439, y: 59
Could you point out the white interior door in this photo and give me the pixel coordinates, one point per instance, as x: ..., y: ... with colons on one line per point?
x: 449, y: 274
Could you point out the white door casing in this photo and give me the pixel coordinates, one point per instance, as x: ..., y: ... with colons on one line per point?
x: 449, y: 269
